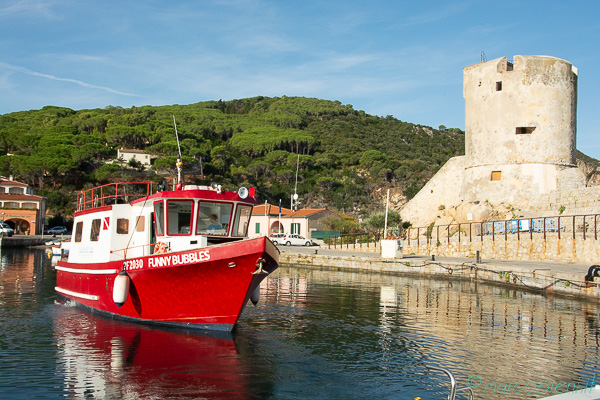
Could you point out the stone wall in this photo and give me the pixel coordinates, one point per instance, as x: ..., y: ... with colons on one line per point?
x: 513, y: 247
x: 581, y: 201
x: 571, y: 284
x: 440, y: 192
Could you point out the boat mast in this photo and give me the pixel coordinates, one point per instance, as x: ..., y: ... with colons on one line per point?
x: 179, y: 163
x: 295, y: 196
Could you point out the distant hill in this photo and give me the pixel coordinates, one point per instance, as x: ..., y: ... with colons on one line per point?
x: 343, y: 155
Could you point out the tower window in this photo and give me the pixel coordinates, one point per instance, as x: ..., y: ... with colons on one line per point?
x: 524, y: 130
x: 509, y: 66
x: 498, y: 86
x: 496, y: 175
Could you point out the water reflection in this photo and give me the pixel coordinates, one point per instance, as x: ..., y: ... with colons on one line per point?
x: 388, y: 327
x: 21, y: 272
x: 315, y: 334
x: 102, y: 358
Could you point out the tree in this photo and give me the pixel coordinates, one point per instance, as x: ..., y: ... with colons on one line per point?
x: 375, y: 223
x: 220, y: 157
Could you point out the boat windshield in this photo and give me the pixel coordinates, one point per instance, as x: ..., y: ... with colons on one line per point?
x: 159, y: 216
x: 213, y: 218
x: 242, y: 220
x: 179, y: 217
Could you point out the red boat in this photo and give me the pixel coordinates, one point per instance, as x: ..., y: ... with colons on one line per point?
x: 172, y: 257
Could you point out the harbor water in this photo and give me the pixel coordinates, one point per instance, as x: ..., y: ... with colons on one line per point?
x: 316, y: 334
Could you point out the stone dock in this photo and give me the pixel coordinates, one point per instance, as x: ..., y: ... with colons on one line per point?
x: 540, y: 276
x: 25, y: 241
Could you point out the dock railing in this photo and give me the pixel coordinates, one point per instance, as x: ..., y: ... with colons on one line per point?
x: 583, y: 227
x: 354, y: 241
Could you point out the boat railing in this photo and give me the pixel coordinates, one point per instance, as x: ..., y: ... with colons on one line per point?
x: 453, y: 384
x: 112, y: 193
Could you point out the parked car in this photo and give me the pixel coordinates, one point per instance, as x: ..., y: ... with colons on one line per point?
x: 277, y: 238
x: 5, y: 229
x: 296, y: 240
x: 57, y: 230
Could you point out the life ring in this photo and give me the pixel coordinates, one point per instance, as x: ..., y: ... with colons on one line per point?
x: 161, y: 248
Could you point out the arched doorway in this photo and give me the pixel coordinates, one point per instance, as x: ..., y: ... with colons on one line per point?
x: 21, y: 226
x: 276, y: 227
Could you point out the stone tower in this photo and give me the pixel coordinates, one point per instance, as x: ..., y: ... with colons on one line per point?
x: 520, y: 125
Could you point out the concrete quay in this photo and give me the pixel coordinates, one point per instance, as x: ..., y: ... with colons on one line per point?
x: 26, y: 240
x: 541, y: 276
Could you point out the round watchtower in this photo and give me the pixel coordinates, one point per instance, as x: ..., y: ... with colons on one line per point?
x: 520, y: 112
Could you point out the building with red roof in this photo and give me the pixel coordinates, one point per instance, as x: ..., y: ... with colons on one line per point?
x: 266, y: 219
x: 23, y: 210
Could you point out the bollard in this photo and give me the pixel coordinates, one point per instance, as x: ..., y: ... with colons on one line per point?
x: 433, y: 257
x: 478, y: 257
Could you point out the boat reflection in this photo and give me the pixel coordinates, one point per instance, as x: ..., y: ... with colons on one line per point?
x: 103, y: 358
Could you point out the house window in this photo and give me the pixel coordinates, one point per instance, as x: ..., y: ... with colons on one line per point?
x: 296, y: 228
x: 525, y: 130
x: 498, y: 86
x: 29, y: 205
x: 11, y: 204
x: 257, y: 228
x: 16, y: 190
x: 496, y: 175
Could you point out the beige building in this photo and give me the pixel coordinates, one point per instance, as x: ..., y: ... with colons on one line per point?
x: 133, y: 154
x: 21, y: 208
x: 520, y: 135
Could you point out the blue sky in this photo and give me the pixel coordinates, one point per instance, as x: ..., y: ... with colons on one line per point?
x: 399, y: 58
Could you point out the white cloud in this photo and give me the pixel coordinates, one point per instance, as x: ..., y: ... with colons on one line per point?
x: 55, y: 78
x: 29, y: 7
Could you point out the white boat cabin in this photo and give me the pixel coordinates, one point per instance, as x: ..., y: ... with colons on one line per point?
x: 124, y: 221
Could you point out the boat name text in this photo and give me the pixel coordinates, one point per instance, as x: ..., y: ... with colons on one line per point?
x: 177, y: 259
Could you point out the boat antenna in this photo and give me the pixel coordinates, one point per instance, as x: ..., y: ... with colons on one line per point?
x: 179, y: 163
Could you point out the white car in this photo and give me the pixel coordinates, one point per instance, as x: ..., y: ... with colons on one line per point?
x: 296, y: 240
x: 5, y: 229
x: 277, y: 238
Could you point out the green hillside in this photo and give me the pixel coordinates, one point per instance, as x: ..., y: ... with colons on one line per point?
x: 343, y: 154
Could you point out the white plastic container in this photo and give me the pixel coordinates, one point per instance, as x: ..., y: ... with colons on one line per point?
x: 391, y: 248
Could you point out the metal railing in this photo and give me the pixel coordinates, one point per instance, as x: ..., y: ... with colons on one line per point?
x: 582, y: 226
x: 112, y: 193
x: 353, y: 240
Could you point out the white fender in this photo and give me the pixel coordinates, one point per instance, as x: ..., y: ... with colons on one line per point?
x: 255, y: 296
x: 121, y: 288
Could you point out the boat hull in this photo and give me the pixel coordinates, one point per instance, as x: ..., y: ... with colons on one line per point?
x: 205, y: 288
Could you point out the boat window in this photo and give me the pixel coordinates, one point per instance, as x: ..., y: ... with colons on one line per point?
x: 95, y: 233
x: 78, y: 231
x: 140, y: 224
x: 122, y: 226
x: 213, y: 218
x: 159, y: 217
x: 179, y: 217
x: 242, y: 219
